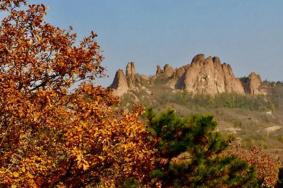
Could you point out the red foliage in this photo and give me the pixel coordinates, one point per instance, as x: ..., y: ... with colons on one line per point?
x: 48, y: 135
x: 267, y: 168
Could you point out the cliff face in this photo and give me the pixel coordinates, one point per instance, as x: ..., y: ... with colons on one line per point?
x: 204, y: 76
x: 209, y: 77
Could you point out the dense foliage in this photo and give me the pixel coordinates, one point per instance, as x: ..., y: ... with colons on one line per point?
x: 189, y: 152
x: 267, y: 168
x: 49, y: 136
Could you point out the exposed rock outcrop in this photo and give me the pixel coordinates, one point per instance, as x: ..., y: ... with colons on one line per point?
x: 168, y: 71
x: 130, y: 70
x: 180, y: 77
x: 207, y: 76
x: 120, y: 84
x: 123, y: 83
x: 180, y: 72
x: 204, y: 76
x: 253, y: 84
x: 158, y: 70
x: 131, y: 74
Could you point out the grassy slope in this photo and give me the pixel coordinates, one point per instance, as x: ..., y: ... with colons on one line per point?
x: 251, y: 120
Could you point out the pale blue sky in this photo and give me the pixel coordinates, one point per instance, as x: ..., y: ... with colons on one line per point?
x: 248, y: 34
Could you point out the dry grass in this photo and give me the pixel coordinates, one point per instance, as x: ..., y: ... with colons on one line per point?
x: 255, y: 121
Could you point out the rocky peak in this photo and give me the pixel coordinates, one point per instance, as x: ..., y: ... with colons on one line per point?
x: 119, y: 84
x: 253, y: 84
x: 123, y: 83
x: 131, y: 74
x: 205, y: 76
x: 216, y: 60
x: 130, y: 70
x: 168, y: 70
x: 198, y: 58
x: 208, y: 76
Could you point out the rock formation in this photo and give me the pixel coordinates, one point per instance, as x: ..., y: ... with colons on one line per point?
x: 168, y: 71
x: 122, y: 83
x: 180, y: 72
x: 252, y: 84
x: 130, y: 74
x: 130, y: 70
x: 158, y: 70
x: 204, y: 76
x: 209, y: 77
x: 119, y: 85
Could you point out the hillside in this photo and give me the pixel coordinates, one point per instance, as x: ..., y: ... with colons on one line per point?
x: 246, y: 108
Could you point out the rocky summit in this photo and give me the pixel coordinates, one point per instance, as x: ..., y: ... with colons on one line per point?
x: 203, y: 76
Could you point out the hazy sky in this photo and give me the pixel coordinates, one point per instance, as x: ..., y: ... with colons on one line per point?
x: 248, y: 34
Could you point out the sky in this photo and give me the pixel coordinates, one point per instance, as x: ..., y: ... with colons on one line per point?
x: 247, y: 34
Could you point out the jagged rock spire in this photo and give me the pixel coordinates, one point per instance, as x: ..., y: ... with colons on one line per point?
x: 119, y: 84
x: 168, y: 70
x: 130, y: 70
x: 253, y: 84
x: 205, y: 75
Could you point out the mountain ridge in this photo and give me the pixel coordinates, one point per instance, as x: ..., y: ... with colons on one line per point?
x: 203, y: 76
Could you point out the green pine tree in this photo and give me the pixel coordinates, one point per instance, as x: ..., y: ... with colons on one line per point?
x: 190, y: 153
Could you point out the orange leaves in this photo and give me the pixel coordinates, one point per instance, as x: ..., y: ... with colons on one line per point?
x: 80, y: 127
x: 106, y: 136
x: 7, y: 4
x: 267, y: 168
x: 49, y: 135
x: 81, y: 162
x: 27, y: 171
x: 48, y: 52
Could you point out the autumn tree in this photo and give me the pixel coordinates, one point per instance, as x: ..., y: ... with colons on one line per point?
x: 267, y: 168
x: 48, y: 135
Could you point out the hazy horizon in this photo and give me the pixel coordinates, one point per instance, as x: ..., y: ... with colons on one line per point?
x: 245, y: 34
